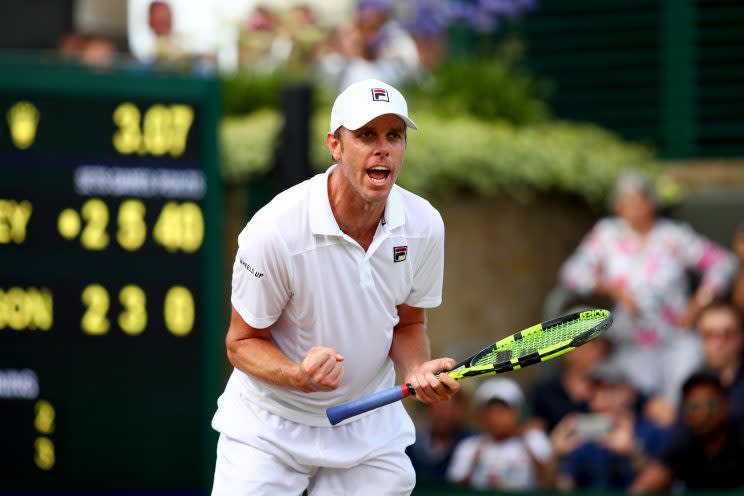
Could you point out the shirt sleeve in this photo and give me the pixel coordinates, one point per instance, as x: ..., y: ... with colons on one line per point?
x: 579, y: 271
x: 715, y: 264
x: 462, y: 460
x: 260, y: 281
x: 428, y: 274
x: 539, y: 445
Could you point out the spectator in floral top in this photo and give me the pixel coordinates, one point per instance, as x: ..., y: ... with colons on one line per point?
x: 642, y: 263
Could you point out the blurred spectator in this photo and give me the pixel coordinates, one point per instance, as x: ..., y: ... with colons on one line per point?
x: 260, y: 48
x: 436, y: 437
x: 99, y: 51
x: 71, y: 46
x: 280, y: 39
x: 738, y: 293
x: 708, y: 452
x: 299, y: 27
x: 95, y: 51
x: 343, y: 44
x: 173, y: 34
x: 374, y: 46
x: 168, y: 48
x: 160, y: 18
x: 721, y: 330
x: 606, y: 448
x: 641, y: 262
x: 506, y: 455
x: 568, y: 390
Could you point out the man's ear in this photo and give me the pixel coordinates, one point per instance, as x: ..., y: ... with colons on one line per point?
x: 333, y: 142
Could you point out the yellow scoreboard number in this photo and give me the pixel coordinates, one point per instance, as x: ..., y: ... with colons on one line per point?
x: 179, y: 226
x: 162, y: 130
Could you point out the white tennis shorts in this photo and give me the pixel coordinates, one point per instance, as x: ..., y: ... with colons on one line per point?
x: 274, y: 456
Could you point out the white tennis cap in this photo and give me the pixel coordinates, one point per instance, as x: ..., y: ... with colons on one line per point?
x: 363, y: 101
x: 506, y: 390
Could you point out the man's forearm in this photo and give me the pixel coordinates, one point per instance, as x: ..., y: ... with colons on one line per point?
x: 411, y: 355
x: 410, y: 347
x: 260, y: 358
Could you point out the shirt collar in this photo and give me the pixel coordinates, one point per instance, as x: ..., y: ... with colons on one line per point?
x: 322, y: 220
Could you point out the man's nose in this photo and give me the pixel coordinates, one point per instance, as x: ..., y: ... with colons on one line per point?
x: 382, y: 146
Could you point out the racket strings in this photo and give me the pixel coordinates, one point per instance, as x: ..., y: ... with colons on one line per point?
x: 538, y: 340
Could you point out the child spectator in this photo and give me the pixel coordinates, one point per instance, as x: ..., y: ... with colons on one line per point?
x: 506, y: 455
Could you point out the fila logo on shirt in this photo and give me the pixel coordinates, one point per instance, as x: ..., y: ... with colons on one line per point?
x: 380, y: 95
x: 399, y: 253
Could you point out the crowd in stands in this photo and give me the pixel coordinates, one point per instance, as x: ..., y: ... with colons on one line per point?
x: 656, y: 404
x: 375, y: 42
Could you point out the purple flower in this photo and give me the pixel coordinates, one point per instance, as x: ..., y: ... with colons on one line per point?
x: 375, y: 5
x: 482, y: 21
x: 429, y: 18
x: 459, y: 12
x: 432, y: 17
x: 499, y: 7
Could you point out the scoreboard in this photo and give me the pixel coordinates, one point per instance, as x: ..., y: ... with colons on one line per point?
x: 111, y: 295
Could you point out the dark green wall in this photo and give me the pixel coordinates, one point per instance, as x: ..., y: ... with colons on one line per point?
x: 668, y: 72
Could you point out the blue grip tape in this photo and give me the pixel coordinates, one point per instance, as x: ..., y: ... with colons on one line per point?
x: 339, y: 413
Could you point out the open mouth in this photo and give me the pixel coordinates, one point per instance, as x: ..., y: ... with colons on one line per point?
x: 378, y: 174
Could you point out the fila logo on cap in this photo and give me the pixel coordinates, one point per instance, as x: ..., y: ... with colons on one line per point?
x: 399, y: 253
x: 380, y: 95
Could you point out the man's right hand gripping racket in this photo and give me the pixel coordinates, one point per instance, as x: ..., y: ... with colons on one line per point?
x: 535, y: 344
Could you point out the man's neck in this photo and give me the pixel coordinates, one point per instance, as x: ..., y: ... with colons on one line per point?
x: 355, y: 217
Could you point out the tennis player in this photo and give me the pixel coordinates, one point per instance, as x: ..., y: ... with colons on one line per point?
x: 330, y: 285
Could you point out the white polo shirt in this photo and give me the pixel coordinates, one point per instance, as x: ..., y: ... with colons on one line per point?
x: 296, y: 272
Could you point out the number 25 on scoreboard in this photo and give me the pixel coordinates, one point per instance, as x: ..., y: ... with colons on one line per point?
x: 163, y: 129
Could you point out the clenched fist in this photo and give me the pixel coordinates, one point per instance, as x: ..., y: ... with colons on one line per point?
x: 321, y: 370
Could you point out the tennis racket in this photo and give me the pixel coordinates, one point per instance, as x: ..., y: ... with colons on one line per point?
x: 535, y: 344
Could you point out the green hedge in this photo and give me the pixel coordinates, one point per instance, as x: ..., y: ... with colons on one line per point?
x: 247, y: 144
x: 450, y: 156
x: 486, y: 90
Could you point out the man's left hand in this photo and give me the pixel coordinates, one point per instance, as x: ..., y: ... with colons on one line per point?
x: 428, y: 388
